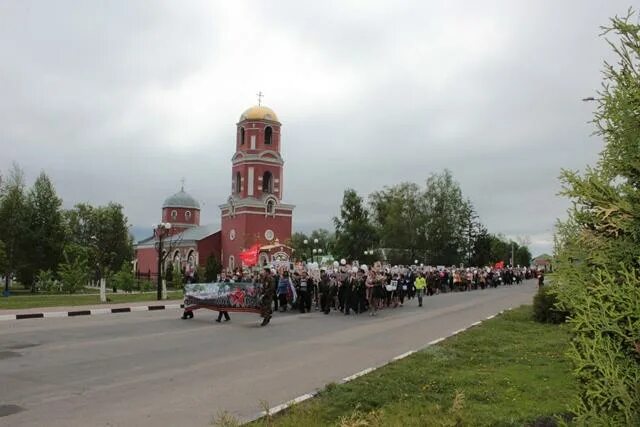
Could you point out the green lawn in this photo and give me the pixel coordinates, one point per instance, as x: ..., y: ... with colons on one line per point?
x: 509, y: 371
x: 37, y: 300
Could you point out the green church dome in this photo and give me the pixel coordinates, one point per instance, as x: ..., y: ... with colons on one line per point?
x: 181, y: 199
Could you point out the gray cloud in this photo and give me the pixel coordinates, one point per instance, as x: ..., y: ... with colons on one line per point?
x: 120, y: 100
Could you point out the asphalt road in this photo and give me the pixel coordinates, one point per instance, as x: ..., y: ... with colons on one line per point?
x: 151, y: 368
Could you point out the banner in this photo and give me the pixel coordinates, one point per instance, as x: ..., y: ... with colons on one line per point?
x: 250, y: 256
x: 499, y: 264
x: 223, y: 296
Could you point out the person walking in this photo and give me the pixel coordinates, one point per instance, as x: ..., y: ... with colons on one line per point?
x: 324, y: 292
x: 420, y: 284
x: 284, y: 284
x: 268, y: 292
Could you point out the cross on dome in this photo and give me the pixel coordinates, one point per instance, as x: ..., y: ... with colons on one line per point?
x: 260, y: 95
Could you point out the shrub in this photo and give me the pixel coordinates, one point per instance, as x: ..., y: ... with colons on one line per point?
x: 545, y: 309
x: 598, y: 248
x: 124, y: 279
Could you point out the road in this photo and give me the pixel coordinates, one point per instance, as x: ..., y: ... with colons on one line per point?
x: 153, y: 369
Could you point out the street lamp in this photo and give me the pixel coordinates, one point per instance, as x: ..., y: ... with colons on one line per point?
x: 160, y: 231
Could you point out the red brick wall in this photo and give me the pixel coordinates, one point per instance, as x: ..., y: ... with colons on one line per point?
x: 211, y: 245
x: 147, y: 260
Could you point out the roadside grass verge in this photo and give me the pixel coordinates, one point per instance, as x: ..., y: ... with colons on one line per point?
x: 57, y: 300
x: 509, y: 371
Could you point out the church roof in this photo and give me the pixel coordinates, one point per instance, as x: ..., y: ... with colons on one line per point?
x: 190, y: 234
x: 200, y: 232
x: 181, y: 199
x: 259, y: 112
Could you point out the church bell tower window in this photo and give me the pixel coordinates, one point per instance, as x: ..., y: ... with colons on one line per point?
x: 268, y: 134
x: 241, y: 136
x: 267, y: 183
x: 238, y: 182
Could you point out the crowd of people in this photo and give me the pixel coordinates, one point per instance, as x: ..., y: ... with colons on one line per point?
x: 361, y: 289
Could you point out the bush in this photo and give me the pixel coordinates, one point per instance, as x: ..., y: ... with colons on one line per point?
x: 545, y: 309
x: 124, y: 279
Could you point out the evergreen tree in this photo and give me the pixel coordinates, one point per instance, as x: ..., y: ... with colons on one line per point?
x: 45, y: 233
x: 212, y: 269
x: 13, y: 223
x: 598, y: 248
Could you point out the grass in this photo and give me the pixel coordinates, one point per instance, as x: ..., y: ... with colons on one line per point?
x: 509, y: 371
x: 37, y: 300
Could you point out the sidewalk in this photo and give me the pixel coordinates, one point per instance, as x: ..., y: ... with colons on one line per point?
x: 72, y: 308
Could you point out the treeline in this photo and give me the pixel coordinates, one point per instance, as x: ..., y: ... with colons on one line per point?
x: 434, y: 225
x: 40, y: 239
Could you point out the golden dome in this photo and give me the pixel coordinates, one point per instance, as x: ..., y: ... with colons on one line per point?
x: 259, y: 112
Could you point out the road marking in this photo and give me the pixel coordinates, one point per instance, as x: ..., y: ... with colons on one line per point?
x: 403, y: 355
x: 55, y: 314
x: 307, y: 396
x: 285, y: 405
x: 358, y: 374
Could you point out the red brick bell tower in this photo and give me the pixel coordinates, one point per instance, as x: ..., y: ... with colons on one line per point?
x: 254, y: 212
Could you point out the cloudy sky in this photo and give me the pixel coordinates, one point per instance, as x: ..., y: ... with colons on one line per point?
x: 119, y: 100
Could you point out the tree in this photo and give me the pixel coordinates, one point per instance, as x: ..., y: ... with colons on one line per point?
x: 399, y: 215
x: 212, y: 269
x: 597, y: 254
x: 447, y: 218
x: 45, y: 232
x: 354, y: 231
x: 105, y: 231
x: 13, y: 223
x: 4, y: 262
x: 482, y: 247
x: 74, y: 272
x: 124, y: 278
x: 523, y: 256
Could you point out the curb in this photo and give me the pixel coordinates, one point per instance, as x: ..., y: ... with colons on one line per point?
x: 94, y: 311
x: 281, y: 407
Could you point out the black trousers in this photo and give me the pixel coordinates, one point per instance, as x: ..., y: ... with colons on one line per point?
x: 304, y: 300
x: 223, y: 313
x: 346, y: 302
x: 325, y: 302
x: 283, y: 301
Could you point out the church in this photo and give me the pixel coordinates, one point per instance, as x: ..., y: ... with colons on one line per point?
x: 253, y: 215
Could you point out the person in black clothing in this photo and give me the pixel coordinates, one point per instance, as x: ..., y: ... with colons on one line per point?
x: 324, y: 292
x: 303, y: 287
x: 224, y: 313
x: 347, y: 286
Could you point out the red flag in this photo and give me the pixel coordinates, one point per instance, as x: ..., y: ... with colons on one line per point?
x: 499, y: 264
x: 250, y: 256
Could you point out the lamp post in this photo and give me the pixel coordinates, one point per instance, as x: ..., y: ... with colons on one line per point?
x: 306, y: 243
x: 160, y: 230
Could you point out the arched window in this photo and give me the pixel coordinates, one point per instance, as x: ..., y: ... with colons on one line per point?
x: 238, y: 182
x: 267, y: 182
x: 268, y: 133
x: 174, y: 215
x: 241, y: 136
x: 271, y: 207
x: 232, y: 263
x: 187, y: 215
